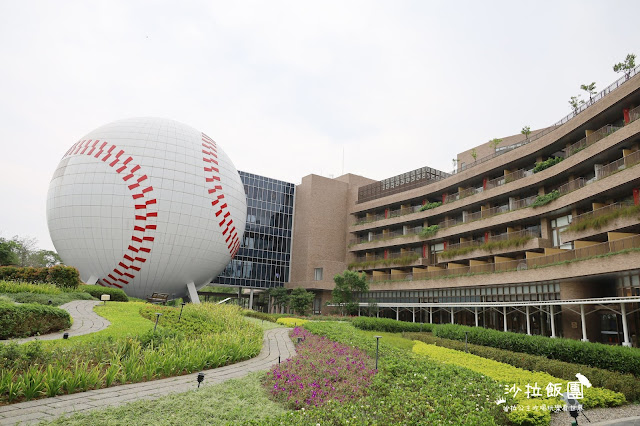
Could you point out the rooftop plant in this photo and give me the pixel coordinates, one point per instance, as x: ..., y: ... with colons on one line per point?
x: 542, y: 200
x: 542, y: 165
x: 429, y: 231
x: 430, y: 206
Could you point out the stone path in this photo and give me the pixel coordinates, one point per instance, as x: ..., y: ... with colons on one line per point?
x: 276, y: 344
x: 85, y: 321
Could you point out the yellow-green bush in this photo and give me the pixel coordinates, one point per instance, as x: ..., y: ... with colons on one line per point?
x: 509, y: 376
x: 291, y: 322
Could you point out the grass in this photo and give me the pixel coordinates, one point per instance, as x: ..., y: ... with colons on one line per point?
x: 234, y: 401
x: 266, y: 325
x: 596, y: 222
x: 402, y: 261
x: 490, y: 246
x: 44, y: 299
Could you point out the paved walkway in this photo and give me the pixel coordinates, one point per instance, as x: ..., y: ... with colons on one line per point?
x: 85, y: 321
x: 276, y: 344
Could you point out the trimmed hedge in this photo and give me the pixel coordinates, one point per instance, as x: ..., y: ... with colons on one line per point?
x: 626, y: 384
x: 389, y: 325
x: 264, y: 316
x: 31, y: 319
x: 43, y: 299
x: 65, y: 277
x: 96, y: 291
x: 614, y: 358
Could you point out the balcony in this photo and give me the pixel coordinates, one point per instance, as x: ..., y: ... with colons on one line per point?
x: 593, y: 224
x: 624, y: 245
x: 392, y: 260
x: 589, y: 140
x: 510, y: 242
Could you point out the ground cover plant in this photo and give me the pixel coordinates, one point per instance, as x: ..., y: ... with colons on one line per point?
x: 406, y: 390
x: 24, y: 287
x: 128, y: 351
x: 488, y: 246
x: 96, y: 291
x: 291, y: 322
x: 614, y: 358
x: 236, y: 401
x: 535, y: 407
x: 321, y: 371
x: 626, y: 384
x: 48, y: 299
x: 596, y: 222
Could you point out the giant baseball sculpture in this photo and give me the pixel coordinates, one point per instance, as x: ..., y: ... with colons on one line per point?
x: 147, y: 205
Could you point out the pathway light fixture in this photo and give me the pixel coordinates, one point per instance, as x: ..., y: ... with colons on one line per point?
x: 65, y: 336
x: 377, y: 349
x: 183, y: 303
x: 200, y: 378
x: 157, y: 318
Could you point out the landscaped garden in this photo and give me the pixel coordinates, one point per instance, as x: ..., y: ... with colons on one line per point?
x: 425, y: 373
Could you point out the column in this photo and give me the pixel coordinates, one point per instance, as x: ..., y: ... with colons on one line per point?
x: 504, y: 317
x: 528, y: 320
x: 193, y: 293
x: 452, y: 317
x: 625, y: 330
x: 584, y: 324
x: 430, y: 314
x: 553, y: 322
x: 398, y: 314
x: 251, y: 299
x: 413, y: 310
x: 475, y: 313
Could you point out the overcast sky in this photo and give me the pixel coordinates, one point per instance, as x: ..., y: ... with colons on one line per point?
x: 286, y: 87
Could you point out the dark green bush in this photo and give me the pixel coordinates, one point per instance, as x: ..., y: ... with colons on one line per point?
x: 64, y: 276
x: 624, y: 383
x: 546, y: 164
x: 614, y: 358
x: 96, y: 291
x: 31, y: 319
x: 389, y: 325
x: 43, y: 299
x: 61, y: 276
x: 430, y: 206
x: 542, y: 200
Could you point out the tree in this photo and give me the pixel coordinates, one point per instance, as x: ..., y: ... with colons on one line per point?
x: 7, y: 252
x: 301, y: 300
x: 575, y: 103
x: 455, y: 163
x: 346, y: 284
x: 493, y: 143
x: 590, y: 89
x: 280, y: 297
x: 474, y: 154
x: 626, y: 66
x: 526, y: 130
x: 44, y: 259
x: 24, y: 247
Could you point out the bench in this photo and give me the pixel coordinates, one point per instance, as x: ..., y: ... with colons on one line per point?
x: 158, y: 298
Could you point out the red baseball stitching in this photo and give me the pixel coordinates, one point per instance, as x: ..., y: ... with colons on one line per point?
x: 212, y: 176
x: 142, y: 236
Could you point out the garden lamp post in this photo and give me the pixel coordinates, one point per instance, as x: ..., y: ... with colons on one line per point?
x: 377, y: 349
x: 181, y: 311
x: 200, y: 378
x: 157, y: 318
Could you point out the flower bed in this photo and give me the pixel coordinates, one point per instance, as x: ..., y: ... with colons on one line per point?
x: 291, y: 322
x: 536, y: 411
x: 322, y: 371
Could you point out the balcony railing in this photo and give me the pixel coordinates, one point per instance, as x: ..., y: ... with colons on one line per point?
x: 572, y: 186
x: 390, y: 256
x: 516, y: 265
x: 599, y: 212
x: 634, y: 114
x: 589, y: 140
x: 502, y: 180
x: 621, y: 164
x: 533, y: 233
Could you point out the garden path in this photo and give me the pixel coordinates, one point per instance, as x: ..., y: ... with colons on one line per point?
x: 276, y: 345
x: 85, y: 321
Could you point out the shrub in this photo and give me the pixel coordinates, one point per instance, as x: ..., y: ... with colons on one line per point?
x: 429, y: 231
x: 430, y: 206
x: 510, y: 375
x: 22, y: 287
x: 546, y: 164
x: 30, y: 319
x: 626, y: 384
x: 44, y: 299
x: 291, y: 322
x: 402, y: 261
x: 65, y: 277
x: 96, y: 291
x: 263, y: 316
x: 597, y: 222
x: 541, y: 200
x: 490, y: 246
x: 614, y: 358
x: 389, y: 325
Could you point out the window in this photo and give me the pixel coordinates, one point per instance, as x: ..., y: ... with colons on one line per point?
x: 317, y: 274
x: 557, y: 226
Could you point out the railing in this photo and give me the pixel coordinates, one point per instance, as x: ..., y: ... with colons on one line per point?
x: 572, y: 186
x: 634, y: 114
x: 390, y: 256
x: 516, y: 265
x: 589, y: 140
x: 386, y: 236
x: 599, y: 212
x: 400, y: 183
x: 448, y: 223
x: 502, y: 180
x: 472, y: 243
x: 621, y: 164
x: 525, y: 202
x: 533, y: 233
